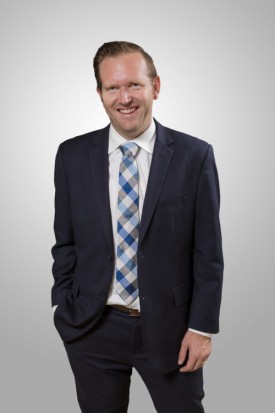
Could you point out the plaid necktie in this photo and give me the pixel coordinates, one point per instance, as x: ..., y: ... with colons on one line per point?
x: 127, y: 225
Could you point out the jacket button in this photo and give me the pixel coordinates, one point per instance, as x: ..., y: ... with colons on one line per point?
x: 102, y: 296
x: 111, y: 258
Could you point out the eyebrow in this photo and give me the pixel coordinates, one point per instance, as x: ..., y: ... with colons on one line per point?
x: 131, y: 82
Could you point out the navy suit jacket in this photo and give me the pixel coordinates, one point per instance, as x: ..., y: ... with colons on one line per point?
x: 180, y: 262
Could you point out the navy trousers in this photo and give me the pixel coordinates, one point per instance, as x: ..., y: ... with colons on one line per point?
x: 102, y: 363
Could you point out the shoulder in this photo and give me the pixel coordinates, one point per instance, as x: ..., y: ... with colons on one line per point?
x: 82, y: 142
x: 183, y: 142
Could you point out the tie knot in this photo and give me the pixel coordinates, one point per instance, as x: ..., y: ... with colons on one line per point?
x: 129, y: 149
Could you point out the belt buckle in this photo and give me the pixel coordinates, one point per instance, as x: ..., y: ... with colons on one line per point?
x: 132, y: 313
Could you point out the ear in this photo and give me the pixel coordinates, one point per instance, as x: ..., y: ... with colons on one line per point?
x: 99, y: 93
x: 156, y: 87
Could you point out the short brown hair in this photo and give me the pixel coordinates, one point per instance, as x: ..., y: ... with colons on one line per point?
x: 117, y: 48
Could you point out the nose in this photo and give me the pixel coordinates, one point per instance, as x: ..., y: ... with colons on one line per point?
x: 124, y: 97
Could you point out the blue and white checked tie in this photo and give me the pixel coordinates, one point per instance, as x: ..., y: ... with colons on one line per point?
x: 127, y: 225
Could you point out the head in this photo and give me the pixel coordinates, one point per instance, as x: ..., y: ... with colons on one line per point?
x: 127, y: 83
x: 113, y: 49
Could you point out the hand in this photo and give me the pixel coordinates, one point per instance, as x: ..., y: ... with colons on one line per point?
x: 198, y: 349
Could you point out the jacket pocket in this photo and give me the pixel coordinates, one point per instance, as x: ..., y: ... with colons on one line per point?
x: 182, y: 293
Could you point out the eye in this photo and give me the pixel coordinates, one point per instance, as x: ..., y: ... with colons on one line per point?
x: 112, y: 89
x: 135, y: 85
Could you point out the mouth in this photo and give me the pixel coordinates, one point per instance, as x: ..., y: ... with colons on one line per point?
x: 127, y: 111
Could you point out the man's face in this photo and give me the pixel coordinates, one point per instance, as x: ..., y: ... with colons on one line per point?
x: 127, y: 93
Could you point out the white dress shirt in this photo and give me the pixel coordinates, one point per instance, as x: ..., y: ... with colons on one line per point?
x: 146, y: 143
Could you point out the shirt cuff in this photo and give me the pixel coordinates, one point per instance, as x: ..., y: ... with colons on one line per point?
x: 200, y: 332
x: 54, y: 308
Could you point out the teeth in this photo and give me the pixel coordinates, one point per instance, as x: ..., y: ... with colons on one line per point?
x: 126, y: 111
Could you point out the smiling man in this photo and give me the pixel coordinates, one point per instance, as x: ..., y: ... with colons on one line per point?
x: 138, y: 257
x: 127, y: 93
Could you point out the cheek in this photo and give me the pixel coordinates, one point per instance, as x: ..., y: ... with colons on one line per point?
x: 108, y: 104
x: 108, y: 101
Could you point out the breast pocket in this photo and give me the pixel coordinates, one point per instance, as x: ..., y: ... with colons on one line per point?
x: 173, y: 203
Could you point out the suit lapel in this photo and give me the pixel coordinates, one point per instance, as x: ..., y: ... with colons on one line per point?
x: 160, y: 162
x: 99, y: 162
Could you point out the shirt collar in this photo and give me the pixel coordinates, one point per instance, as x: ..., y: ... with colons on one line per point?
x: 145, y: 141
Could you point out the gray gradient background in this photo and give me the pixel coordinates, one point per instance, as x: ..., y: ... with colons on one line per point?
x: 216, y: 62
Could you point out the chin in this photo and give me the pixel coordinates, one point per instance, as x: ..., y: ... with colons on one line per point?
x: 129, y: 130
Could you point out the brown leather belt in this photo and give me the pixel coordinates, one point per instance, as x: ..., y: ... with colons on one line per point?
x: 132, y: 312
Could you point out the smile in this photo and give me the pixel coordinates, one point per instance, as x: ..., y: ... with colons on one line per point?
x: 127, y: 111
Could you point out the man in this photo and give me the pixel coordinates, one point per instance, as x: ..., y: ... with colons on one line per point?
x: 138, y: 259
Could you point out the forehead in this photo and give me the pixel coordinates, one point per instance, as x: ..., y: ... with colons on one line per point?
x: 124, y: 67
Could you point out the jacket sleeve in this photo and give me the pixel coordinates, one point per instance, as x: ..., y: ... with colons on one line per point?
x: 207, y: 252
x: 63, y: 251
